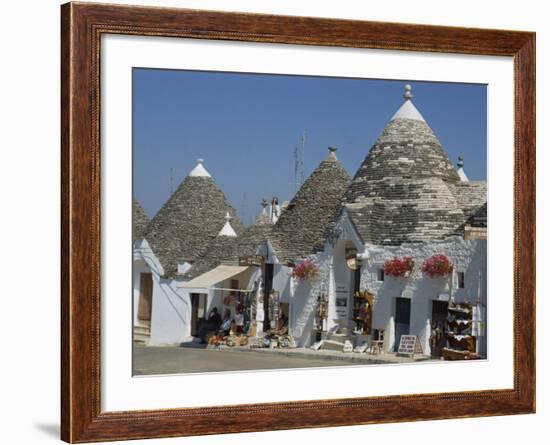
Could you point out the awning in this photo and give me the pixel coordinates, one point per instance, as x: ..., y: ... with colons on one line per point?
x: 221, y: 273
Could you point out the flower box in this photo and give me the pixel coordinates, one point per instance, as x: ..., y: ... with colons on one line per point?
x: 437, y: 266
x: 306, y: 270
x: 399, y: 267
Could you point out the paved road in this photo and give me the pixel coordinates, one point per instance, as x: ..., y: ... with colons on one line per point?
x: 172, y: 359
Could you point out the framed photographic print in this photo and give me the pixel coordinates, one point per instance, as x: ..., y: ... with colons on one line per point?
x: 276, y: 222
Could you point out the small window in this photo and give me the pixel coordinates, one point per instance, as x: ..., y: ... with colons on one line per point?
x: 380, y: 274
x: 461, y: 280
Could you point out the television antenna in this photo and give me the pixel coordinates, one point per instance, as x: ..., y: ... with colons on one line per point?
x: 299, y: 162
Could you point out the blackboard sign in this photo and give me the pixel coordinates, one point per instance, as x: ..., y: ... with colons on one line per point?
x: 409, y: 345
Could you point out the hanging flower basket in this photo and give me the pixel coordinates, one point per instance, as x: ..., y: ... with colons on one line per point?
x: 306, y: 270
x: 437, y: 266
x: 399, y: 267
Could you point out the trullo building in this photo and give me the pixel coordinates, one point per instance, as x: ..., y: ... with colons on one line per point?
x: 172, y: 241
x: 407, y: 200
x: 406, y: 204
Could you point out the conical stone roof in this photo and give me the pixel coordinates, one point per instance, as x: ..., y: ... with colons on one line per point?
x: 139, y: 220
x: 406, y: 148
x: 404, y: 189
x: 303, y: 226
x: 227, y: 249
x: 190, y: 219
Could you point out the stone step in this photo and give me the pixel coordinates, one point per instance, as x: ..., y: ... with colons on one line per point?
x: 141, y: 338
x: 332, y: 345
x: 142, y: 330
x: 339, y: 338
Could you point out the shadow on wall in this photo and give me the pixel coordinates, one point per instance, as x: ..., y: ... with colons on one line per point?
x: 474, y: 281
x: 427, y: 290
x: 421, y: 290
x: 171, y: 313
x: 304, y: 304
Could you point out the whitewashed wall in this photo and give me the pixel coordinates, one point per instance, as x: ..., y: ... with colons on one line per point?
x: 304, y: 296
x: 171, y: 315
x: 467, y: 256
x: 171, y: 306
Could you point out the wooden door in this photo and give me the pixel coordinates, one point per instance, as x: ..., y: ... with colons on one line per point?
x: 198, y: 312
x: 438, y: 339
x: 268, y: 286
x: 145, y: 296
x: 402, y: 319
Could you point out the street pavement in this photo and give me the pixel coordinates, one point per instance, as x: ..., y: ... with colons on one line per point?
x: 191, y: 357
x: 175, y: 360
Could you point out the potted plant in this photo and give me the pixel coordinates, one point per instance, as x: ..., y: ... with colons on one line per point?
x: 306, y: 270
x: 399, y: 267
x: 437, y: 266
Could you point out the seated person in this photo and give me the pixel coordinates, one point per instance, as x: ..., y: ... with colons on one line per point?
x: 225, y: 327
x: 239, y: 319
x: 212, y: 324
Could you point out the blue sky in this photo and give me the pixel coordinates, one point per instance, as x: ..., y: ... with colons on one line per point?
x: 246, y: 126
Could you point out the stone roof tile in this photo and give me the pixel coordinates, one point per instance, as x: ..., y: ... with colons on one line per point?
x: 139, y: 220
x: 303, y: 226
x: 189, y: 221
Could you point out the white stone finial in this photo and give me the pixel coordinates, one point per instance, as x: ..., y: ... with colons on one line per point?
x: 460, y: 170
x: 227, y: 230
x: 408, y: 110
x: 199, y: 170
x: 408, y: 92
x: 332, y: 152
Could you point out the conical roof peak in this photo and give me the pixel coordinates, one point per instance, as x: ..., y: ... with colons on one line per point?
x: 186, y: 224
x: 262, y: 218
x: 408, y: 111
x: 199, y: 170
x: 403, y: 189
x: 302, y: 227
x: 227, y: 230
x: 407, y: 148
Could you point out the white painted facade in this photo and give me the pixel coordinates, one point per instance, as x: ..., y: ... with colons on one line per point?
x: 336, y: 281
x: 468, y: 256
x: 171, y: 302
x: 171, y: 306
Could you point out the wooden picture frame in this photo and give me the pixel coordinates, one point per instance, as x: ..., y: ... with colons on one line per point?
x: 82, y: 26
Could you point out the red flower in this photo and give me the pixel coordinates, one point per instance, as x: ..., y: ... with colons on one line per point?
x: 306, y: 270
x: 437, y: 266
x: 398, y: 267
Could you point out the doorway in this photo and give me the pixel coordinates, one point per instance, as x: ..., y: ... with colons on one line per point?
x: 402, y: 319
x: 268, y: 286
x: 145, y: 303
x: 439, y: 319
x: 198, y: 312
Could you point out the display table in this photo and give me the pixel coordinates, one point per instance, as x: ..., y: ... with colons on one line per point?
x: 376, y: 347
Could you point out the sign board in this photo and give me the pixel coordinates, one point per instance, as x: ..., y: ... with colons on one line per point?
x: 409, y: 345
x: 342, y: 297
x: 252, y: 260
